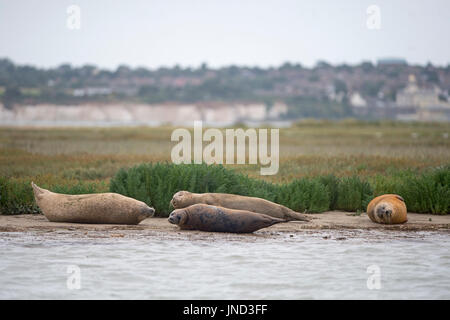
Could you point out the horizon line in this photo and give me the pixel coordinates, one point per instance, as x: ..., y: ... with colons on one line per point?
x: 224, y: 66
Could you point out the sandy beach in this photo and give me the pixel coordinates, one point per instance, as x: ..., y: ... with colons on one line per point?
x: 335, y: 220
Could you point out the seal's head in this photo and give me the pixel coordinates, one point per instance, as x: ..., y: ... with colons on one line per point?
x: 39, y: 192
x: 178, y: 217
x: 383, y: 212
x: 146, y: 212
x: 181, y: 199
x: 387, y: 209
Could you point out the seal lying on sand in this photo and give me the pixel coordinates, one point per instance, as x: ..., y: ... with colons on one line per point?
x: 387, y: 209
x: 109, y: 208
x: 217, y: 219
x: 183, y: 199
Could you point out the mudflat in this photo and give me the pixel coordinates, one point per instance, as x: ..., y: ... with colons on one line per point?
x: 336, y: 220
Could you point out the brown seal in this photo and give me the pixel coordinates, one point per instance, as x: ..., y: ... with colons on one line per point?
x: 217, y: 219
x: 183, y: 199
x: 387, y: 209
x: 108, y: 208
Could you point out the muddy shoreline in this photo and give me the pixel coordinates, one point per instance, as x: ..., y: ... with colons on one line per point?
x: 333, y: 220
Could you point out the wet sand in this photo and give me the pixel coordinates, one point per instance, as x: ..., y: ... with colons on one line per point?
x: 334, y: 220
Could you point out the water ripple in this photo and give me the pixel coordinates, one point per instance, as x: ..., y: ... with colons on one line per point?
x: 310, y: 265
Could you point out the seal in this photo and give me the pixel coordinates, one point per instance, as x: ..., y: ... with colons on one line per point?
x: 205, y: 217
x: 183, y: 199
x: 387, y: 209
x: 108, y: 208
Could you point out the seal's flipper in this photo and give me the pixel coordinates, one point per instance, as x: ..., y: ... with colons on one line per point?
x: 38, y: 192
x: 399, y: 198
x: 276, y: 220
x: 297, y: 216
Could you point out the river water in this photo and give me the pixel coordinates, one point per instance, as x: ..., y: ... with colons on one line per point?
x: 321, y: 264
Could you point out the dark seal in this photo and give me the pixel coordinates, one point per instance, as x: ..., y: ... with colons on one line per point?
x: 217, y: 219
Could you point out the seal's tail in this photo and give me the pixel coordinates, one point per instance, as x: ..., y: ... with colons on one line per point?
x: 277, y: 220
x: 38, y: 192
x: 296, y: 216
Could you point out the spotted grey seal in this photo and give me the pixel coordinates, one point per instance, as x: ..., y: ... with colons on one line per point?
x: 205, y: 217
x: 108, y: 208
x: 183, y: 199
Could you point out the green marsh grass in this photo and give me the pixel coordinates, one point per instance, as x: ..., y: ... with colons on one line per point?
x: 359, y: 158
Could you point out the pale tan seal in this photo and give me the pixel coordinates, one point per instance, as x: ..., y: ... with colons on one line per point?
x: 183, y: 199
x: 205, y: 217
x: 387, y: 209
x: 108, y: 208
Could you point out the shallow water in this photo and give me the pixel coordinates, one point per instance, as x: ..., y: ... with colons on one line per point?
x: 307, y: 265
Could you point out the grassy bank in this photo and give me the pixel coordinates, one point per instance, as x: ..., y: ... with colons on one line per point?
x: 427, y: 192
x: 342, y: 156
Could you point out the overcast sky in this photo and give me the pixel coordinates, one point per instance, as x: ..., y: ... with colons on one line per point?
x: 223, y: 32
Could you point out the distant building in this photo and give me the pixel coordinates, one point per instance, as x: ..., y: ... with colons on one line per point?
x: 392, y: 62
x: 414, y: 96
x: 357, y: 101
x: 359, y: 104
x: 424, y: 103
x: 92, y: 92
